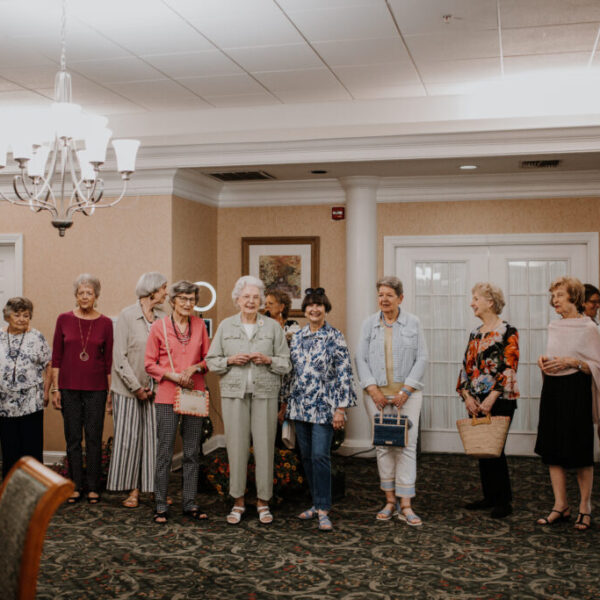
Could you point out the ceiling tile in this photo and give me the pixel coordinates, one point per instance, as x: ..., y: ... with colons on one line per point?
x: 30, y: 77
x: 379, y: 92
x: 426, y: 16
x: 345, y: 23
x: 453, y: 45
x: 449, y: 71
x: 19, y: 52
x: 313, y: 95
x: 8, y: 86
x: 222, y: 85
x: 157, y: 95
x: 22, y: 99
x: 226, y: 23
x: 519, y: 65
x: 532, y: 13
x: 116, y: 70
x: 362, y: 52
x: 294, y: 5
x: 306, y: 79
x: 258, y: 99
x: 381, y: 75
x: 552, y: 39
x: 193, y: 64
x: 276, y: 58
x: 451, y: 89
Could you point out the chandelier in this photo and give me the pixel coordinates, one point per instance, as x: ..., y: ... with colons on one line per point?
x: 59, y: 152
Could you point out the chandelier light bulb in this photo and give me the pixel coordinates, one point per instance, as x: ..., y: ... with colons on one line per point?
x: 126, y: 152
x: 96, y: 143
x: 66, y: 119
x: 36, y: 167
x: 87, y: 171
x: 22, y: 149
x: 3, y: 152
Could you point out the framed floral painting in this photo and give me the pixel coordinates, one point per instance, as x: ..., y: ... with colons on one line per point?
x: 290, y: 264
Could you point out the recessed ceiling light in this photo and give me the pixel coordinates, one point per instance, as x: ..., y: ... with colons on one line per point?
x: 468, y: 167
x: 318, y: 172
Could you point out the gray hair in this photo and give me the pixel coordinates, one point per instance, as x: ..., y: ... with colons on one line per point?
x: 87, y: 279
x: 391, y: 282
x: 149, y: 283
x: 245, y: 281
x: 492, y: 293
x: 17, y: 304
x: 183, y: 287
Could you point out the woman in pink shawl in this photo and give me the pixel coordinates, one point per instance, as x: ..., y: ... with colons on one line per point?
x: 569, y: 401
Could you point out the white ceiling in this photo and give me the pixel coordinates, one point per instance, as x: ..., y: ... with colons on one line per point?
x: 203, y: 63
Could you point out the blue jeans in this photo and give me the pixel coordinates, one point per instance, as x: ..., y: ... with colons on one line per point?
x: 314, y: 440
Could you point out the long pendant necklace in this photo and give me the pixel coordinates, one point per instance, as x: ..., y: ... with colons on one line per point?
x: 14, y: 354
x: 182, y: 338
x: 83, y: 355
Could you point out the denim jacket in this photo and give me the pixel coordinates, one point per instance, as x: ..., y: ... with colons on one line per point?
x: 409, y: 351
x: 231, y: 338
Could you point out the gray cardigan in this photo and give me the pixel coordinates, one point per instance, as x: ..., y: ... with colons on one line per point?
x: 129, y: 349
x: 408, y: 347
x: 231, y: 338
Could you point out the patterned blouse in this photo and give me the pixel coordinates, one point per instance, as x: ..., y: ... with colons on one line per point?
x: 490, y: 363
x: 322, y: 377
x: 23, y: 358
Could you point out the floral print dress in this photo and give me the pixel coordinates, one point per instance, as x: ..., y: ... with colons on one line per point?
x: 321, y: 378
x: 490, y: 363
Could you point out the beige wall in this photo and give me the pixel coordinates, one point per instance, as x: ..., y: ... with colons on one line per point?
x: 184, y: 239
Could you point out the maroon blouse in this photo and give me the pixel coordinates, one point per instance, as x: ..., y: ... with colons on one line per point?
x: 97, y: 336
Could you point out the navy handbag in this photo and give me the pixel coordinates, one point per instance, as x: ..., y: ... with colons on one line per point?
x: 390, y: 430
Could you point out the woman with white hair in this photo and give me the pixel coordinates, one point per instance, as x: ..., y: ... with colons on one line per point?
x: 250, y: 353
x: 175, y: 353
x: 134, y: 446
x: 81, y: 365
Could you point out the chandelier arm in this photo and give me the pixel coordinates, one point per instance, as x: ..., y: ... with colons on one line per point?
x: 79, y: 196
x: 25, y: 196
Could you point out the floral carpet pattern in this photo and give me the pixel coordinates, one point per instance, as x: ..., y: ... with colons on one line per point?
x: 107, y: 551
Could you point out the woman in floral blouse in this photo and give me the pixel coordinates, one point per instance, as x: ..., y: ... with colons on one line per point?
x: 320, y: 391
x: 488, y: 384
x: 24, y: 384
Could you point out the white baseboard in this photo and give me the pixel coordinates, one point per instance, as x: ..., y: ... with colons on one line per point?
x: 214, y: 443
x: 52, y: 457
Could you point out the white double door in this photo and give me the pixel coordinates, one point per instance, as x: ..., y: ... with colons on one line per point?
x: 437, y: 287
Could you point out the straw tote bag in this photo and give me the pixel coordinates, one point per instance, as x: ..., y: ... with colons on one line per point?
x: 187, y: 402
x: 483, y: 437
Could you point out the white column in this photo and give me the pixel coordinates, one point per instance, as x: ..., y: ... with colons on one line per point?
x: 361, y: 275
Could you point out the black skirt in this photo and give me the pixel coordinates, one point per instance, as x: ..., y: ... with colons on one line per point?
x: 565, y: 429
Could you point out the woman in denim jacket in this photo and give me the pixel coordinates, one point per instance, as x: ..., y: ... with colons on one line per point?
x: 250, y: 353
x: 391, y: 360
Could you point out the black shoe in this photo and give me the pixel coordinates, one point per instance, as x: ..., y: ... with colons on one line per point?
x: 501, y: 511
x: 479, y: 504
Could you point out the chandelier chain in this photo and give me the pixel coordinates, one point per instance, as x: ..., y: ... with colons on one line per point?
x: 63, y: 37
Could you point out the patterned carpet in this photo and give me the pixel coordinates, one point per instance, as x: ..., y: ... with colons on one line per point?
x: 107, y: 551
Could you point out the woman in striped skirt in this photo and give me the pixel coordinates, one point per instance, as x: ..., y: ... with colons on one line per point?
x: 132, y: 464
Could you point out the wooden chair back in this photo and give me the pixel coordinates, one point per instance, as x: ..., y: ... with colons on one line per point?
x: 29, y: 496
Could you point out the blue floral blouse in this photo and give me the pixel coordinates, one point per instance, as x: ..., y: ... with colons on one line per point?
x: 321, y: 378
x: 21, y: 372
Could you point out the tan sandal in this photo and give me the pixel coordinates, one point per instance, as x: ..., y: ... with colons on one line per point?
x: 132, y: 501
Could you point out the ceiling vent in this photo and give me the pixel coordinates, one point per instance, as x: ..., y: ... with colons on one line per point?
x: 539, y: 164
x: 242, y: 176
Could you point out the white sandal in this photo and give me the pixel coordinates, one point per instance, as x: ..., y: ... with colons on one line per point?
x: 264, y: 515
x: 235, y: 516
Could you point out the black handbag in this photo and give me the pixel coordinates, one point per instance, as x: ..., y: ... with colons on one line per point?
x: 391, y: 430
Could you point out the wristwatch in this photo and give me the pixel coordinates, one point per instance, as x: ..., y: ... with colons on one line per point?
x: 579, y: 366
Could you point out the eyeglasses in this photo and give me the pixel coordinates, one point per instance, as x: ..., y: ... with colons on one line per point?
x: 318, y: 291
x: 185, y: 300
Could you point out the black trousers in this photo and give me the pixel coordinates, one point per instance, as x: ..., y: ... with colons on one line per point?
x: 495, y: 479
x: 83, y: 411
x: 21, y: 436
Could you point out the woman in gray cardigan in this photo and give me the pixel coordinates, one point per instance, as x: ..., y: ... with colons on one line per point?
x: 391, y: 361
x: 250, y: 353
x: 132, y: 463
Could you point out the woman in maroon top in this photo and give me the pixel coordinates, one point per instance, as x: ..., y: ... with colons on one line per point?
x: 81, y: 363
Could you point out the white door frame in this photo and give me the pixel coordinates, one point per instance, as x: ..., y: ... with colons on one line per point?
x: 16, y: 241
x: 588, y: 239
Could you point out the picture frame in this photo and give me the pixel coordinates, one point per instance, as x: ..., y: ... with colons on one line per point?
x: 287, y: 263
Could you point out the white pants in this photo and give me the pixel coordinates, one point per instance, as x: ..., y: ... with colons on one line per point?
x: 398, y: 466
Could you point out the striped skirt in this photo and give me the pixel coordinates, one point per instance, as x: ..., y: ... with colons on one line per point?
x: 133, y: 459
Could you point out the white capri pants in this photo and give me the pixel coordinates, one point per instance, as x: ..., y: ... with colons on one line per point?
x: 398, y: 466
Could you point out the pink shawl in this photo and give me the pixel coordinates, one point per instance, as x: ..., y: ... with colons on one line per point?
x: 578, y: 338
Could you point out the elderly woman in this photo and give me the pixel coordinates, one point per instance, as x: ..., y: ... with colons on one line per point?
x: 24, y: 385
x: 487, y: 384
x: 184, y: 347
x: 81, y: 364
x: 250, y: 354
x: 132, y: 462
x: 321, y: 391
x: 391, y: 361
x: 569, y: 401
x: 277, y: 306
x: 591, y: 301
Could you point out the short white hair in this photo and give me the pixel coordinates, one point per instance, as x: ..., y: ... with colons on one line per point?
x: 149, y: 283
x: 244, y: 282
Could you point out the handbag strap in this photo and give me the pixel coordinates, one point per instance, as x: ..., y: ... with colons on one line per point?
x: 167, y: 344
